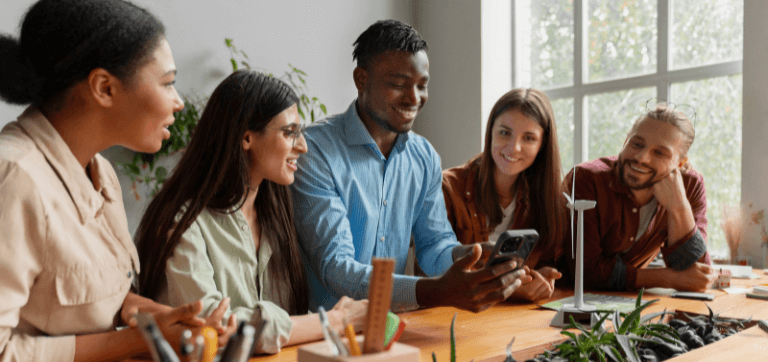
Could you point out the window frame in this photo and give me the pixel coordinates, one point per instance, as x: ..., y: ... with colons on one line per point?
x: 662, y: 79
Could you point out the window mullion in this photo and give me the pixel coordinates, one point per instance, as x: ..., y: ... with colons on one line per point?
x: 580, y: 73
x: 664, y: 60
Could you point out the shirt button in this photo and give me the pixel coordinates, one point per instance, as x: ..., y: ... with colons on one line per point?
x: 385, y: 202
x: 475, y: 215
x: 244, y: 227
x: 467, y: 193
x: 130, y: 273
x: 631, y: 238
x: 634, y: 209
x: 382, y: 238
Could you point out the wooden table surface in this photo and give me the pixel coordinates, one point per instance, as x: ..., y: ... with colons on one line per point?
x: 483, y: 336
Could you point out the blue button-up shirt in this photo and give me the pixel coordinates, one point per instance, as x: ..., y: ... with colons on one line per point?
x: 352, y: 204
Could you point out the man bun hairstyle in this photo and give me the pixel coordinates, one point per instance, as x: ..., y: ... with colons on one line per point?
x: 386, y: 35
x: 664, y: 113
x: 62, y: 41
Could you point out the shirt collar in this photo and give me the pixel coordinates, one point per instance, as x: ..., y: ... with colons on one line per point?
x: 355, y: 132
x: 88, y: 197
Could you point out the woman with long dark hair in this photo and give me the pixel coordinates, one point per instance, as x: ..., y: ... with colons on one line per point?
x: 515, y: 183
x: 222, y: 224
x: 95, y: 73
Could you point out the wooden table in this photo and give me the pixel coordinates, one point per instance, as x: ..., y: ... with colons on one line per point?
x: 484, y: 336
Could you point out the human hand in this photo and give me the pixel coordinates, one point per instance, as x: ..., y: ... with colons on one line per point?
x: 133, y: 304
x: 487, y: 247
x: 670, y: 191
x: 215, y: 320
x: 349, y: 310
x: 697, y: 278
x: 170, y: 322
x: 541, y: 286
x: 478, y: 290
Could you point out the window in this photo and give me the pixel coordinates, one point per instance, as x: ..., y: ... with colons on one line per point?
x: 600, y: 61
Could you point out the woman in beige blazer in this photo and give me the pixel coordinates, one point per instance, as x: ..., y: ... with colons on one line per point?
x: 95, y: 73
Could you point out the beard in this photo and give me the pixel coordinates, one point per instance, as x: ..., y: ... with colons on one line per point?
x: 632, y: 182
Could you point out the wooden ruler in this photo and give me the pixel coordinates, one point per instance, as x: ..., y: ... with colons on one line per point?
x: 379, y: 299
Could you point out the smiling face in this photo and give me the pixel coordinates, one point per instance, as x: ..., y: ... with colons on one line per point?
x: 392, y: 89
x: 651, y: 152
x: 271, y: 153
x: 144, y: 110
x: 515, y: 142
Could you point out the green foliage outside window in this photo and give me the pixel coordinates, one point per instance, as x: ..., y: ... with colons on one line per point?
x: 622, y: 41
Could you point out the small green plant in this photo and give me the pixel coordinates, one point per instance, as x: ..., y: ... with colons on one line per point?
x: 310, y: 108
x: 453, y: 341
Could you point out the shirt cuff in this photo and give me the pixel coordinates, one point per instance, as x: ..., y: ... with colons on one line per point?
x: 404, y: 293
x: 277, y: 331
x: 55, y: 348
x: 684, y: 254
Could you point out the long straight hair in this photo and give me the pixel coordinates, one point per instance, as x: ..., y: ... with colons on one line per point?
x: 213, y: 173
x: 543, y: 178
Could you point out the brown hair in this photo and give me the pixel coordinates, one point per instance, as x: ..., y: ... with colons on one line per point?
x: 662, y: 112
x: 543, y: 177
x: 213, y: 174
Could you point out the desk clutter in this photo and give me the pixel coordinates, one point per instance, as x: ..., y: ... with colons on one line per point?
x: 380, y: 334
x: 204, y: 347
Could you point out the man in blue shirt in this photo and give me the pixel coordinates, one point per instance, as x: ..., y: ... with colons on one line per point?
x: 367, y: 184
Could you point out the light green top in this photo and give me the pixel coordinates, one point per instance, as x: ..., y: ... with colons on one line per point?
x: 217, y: 258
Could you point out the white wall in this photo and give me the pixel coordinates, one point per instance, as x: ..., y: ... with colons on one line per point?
x: 470, y: 66
x: 315, y: 36
x: 754, y: 157
x: 451, y: 118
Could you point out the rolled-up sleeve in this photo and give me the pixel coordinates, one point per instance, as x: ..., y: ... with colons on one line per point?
x: 22, y: 236
x: 190, y: 277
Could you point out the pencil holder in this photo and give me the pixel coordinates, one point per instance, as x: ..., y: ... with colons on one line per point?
x: 319, y: 352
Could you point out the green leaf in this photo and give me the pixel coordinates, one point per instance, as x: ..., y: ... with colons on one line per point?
x: 245, y: 64
x: 628, y: 348
x: 301, y: 113
x: 453, y: 339
x: 322, y: 107
x: 639, y: 298
x: 434, y: 357
x: 228, y: 42
x: 234, y: 64
x: 160, y: 174
x: 634, y: 317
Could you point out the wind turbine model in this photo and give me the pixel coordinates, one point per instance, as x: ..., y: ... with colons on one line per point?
x: 581, y: 312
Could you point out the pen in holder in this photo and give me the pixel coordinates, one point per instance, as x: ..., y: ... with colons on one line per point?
x: 240, y: 344
x: 160, y: 349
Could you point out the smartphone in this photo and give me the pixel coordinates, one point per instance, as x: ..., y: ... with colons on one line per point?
x: 692, y: 295
x: 513, y: 245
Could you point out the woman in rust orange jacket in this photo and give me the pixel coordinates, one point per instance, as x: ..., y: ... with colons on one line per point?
x: 515, y: 183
